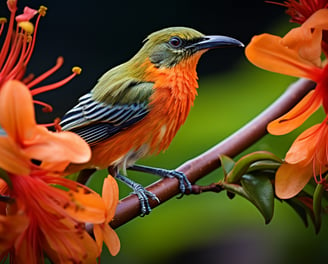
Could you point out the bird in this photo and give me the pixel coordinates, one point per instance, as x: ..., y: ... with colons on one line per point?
x: 136, y: 108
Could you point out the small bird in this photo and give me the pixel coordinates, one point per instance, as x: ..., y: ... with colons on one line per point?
x: 136, y: 108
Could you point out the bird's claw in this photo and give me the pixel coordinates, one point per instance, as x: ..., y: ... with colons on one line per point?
x: 143, y: 196
x: 184, y: 184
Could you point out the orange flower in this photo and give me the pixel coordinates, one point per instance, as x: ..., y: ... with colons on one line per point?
x: 103, y: 232
x: 37, y: 218
x: 44, y: 218
x: 25, y: 140
x: 298, y: 54
x: 42, y: 213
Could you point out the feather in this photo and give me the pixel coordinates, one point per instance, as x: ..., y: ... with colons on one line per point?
x: 95, y: 121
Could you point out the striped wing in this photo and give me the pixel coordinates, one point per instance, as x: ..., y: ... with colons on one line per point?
x: 95, y: 121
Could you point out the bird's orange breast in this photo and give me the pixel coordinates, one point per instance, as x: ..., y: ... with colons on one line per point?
x: 170, y: 103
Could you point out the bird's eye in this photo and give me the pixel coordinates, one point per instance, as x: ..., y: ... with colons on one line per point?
x: 175, y: 42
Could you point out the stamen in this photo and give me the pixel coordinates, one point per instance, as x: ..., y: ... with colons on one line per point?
x: 76, y: 71
x: 6, y: 44
x: 20, y: 64
x: 28, y: 78
x: 13, y: 55
x: 47, y: 108
x: 12, y: 5
x: 59, y: 63
x: 3, y: 21
x: 55, y: 124
x: 42, y: 13
x: 43, y: 10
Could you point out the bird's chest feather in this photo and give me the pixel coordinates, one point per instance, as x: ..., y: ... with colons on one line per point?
x: 174, y: 94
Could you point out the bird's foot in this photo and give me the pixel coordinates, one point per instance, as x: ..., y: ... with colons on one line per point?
x: 142, y: 194
x: 184, y: 184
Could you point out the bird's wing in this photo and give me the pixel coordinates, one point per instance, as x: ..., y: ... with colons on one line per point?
x: 96, y: 121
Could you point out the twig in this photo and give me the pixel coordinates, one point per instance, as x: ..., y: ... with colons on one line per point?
x: 196, y: 168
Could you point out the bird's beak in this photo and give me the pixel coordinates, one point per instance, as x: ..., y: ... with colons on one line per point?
x: 211, y: 42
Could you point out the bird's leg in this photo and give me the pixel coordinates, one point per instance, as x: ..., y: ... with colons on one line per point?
x: 138, y: 189
x: 184, y: 183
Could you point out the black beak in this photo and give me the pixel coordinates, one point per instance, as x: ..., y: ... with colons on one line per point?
x: 211, y: 42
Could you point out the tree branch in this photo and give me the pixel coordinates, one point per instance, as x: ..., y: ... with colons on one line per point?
x: 128, y: 208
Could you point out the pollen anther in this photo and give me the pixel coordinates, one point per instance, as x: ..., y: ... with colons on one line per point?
x: 26, y: 26
x: 77, y: 70
x: 43, y: 10
x: 3, y: 20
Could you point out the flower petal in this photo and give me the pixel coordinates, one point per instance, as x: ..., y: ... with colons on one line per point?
x: 295, y: 117
x: 291, y: 179
x: 57, y: 147
x: 12, y: 159
x: 110, y: 196
x: 85, y: 206
x: 17, y: 111
x: 307, y: 42
x: 111, y: 240
x: 99, y: 236
x: 303, y: 148
x: 319, y: 19
x: 268, y: 52
x: 70, y: 246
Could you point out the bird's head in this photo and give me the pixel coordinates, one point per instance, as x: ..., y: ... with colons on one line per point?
x: 168, y: 47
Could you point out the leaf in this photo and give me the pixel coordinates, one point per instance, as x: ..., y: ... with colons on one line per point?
x: 260, y: 192
x: 227, y: 164
x: 265, y: 165
x: 317, y: 207
x: 242, y: 165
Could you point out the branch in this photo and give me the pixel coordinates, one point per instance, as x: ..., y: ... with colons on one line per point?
x: 198, y: 167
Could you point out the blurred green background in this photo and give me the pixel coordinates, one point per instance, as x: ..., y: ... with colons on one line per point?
x: 209, y: 228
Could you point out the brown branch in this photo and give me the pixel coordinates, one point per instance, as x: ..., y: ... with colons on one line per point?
x: 196, y: 168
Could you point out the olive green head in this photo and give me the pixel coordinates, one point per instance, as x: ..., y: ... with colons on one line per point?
x: 167, y: 47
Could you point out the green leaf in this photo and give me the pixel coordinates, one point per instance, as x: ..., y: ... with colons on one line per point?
x: 242, y: 165
x: 260, y: 192
x: 317, y: 207
x: 227, y: 164
x: 265, y: 165
x: 6, y: 178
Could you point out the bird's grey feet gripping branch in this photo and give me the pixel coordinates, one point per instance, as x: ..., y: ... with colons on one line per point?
x: 141, y: 192
x: 184, y: 183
